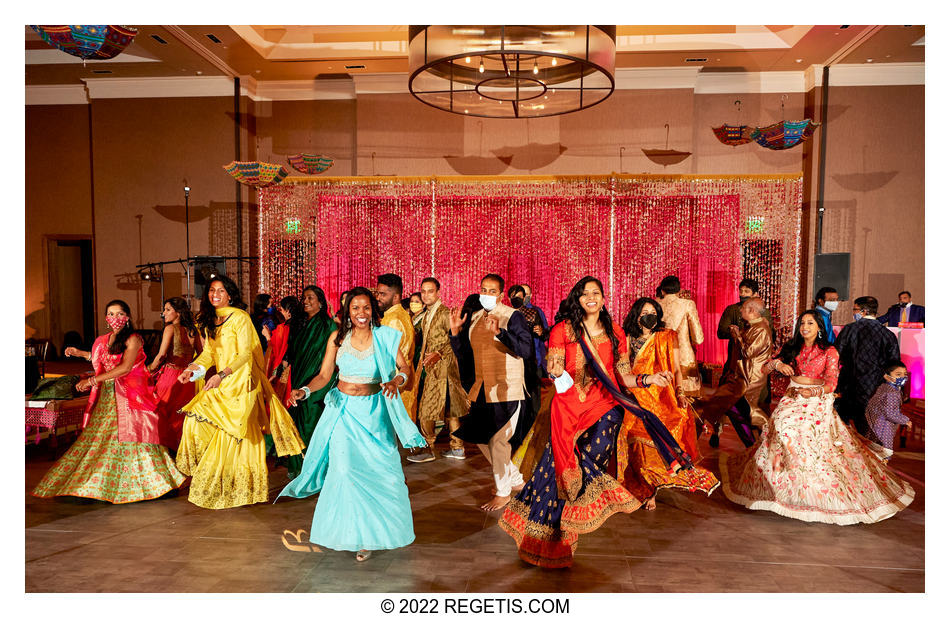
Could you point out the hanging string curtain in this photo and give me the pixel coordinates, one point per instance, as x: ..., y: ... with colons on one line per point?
x: 88, y: 42
x: 630, y: 232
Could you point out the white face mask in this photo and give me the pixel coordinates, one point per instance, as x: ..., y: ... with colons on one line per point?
x: 487, y: 301
x: 831, y: 305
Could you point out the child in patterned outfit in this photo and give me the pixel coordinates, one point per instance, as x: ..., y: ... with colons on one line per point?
x: 884, y: 409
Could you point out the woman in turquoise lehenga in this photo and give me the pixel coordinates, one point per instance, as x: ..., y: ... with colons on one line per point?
x: 352, y: 459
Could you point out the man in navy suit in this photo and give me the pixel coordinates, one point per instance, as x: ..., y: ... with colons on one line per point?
x: 903, y: 311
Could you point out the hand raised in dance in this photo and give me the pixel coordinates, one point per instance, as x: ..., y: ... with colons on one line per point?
x: 491, y: 323
x: 212, y: 382
x: 734, y: 331
x: 431, y: 359
x: 456, y: 320
x: 185, y: 376
x: 662, y: 378
x: 295, y: 396
x: 265, y: 332
x: 391, y: 388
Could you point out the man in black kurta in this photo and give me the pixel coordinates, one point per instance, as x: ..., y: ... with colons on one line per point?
x: 865, y: 348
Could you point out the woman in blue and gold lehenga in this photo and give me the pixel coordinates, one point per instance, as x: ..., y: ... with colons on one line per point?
x: 352, y: 459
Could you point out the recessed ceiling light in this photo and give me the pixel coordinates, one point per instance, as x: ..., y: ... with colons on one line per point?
x: 870, y: 60
x: 197, y: 72
x: 798, y: 59
x: 214, y: 38
x: 160, y: 39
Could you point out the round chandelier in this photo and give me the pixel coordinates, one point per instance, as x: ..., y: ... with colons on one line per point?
x: 511, y: 71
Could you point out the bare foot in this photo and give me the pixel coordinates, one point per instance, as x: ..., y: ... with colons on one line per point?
x: 495, y: 503
x: 651, y: 504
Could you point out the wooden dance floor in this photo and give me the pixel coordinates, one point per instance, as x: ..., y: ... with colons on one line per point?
x: 690, y: 543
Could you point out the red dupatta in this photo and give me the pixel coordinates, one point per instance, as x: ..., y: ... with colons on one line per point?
x: 137, y: 420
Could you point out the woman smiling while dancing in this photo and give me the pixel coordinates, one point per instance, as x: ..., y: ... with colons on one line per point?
x: 808, y: 464
x: 352, y: 459
x: 571, y: 491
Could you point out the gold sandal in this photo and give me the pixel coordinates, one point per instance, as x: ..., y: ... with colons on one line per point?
x: 363, y: 555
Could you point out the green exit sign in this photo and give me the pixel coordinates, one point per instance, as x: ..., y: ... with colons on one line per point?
x: 754, y: 225
x: 293, y: 226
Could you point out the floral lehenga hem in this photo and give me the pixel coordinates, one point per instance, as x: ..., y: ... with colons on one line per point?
x: 98, y: 466
x: 809, y: 465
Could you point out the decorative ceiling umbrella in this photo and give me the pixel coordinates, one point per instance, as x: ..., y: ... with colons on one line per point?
x: 785, y: 134
x: 310, y: 163
x: 88, y: 42
x: 734, y: 135
x: 256, y: 173
x: 665, y: 156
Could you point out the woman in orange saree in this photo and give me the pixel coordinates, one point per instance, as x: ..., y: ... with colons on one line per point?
x: 653, y: 349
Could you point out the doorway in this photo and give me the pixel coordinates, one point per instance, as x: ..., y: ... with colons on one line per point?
x: 71, y: 290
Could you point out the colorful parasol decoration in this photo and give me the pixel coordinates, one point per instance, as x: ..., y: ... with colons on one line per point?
x: 256, y: 173
x: 88, y: 42
x: 310, y: 163
x: 732, y: 135
x: 737, y: 134
x: 785, y: 134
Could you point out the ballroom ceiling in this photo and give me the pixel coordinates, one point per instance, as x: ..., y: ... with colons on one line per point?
x: 293, y: 53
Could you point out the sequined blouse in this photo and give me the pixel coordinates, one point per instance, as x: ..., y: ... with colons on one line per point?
x: 813, y: 362
x: 357, y: 366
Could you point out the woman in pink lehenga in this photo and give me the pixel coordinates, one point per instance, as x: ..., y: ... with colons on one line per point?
x: 180, y: 344
x: 808, y: 464
x: 117, y: 457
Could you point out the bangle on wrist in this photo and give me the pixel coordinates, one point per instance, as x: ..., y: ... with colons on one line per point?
x: 222, y: 375
x: 405, y: 379
x: 306, y: 392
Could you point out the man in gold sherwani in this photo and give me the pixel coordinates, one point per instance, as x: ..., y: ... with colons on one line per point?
x: 742, y: 388
x: 680, y: 314
x: 443, y: 398
x: 389, y: 296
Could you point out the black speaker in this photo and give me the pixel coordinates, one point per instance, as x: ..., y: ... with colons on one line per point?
x: 203, y: 270
x: 833, y: 270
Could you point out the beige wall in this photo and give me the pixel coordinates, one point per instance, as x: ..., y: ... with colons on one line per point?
x: 58, y: 195
x: 143, y: 150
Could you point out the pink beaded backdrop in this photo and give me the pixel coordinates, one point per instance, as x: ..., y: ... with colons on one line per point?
x: 548, y: 232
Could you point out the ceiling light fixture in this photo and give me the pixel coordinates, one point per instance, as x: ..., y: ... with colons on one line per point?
x: 443, y: 74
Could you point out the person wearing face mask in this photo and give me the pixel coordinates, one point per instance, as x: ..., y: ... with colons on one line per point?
x: 118, y: 457
x: 389, y: 296
x: 417, y: 311
x: 541, y: 333
x: 501, y: 414
x: 826, y: 301
x: 866, y: 347
x: 532, y: 373
x: 808, y: 464
x: 884, y: 409
x: 683, y: 319
x: 903, y: 311
x: 654, y: 348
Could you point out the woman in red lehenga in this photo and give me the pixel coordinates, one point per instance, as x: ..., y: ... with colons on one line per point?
x: 571, y: 491
x: 278, y: 367
x: 653, y: 349
x: 180, y: 344
x: 808, y: 464
x: 117, y: 457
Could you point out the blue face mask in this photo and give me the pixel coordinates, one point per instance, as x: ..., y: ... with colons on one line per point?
x: 899, y: 382
x: 857, y: 317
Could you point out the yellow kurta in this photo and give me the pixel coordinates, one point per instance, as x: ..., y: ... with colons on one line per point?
x: 222, y: 445
x: 398, y: 318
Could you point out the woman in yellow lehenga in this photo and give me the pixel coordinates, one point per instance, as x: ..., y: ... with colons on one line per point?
x: 222, y: 443
x: 641, y: 470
